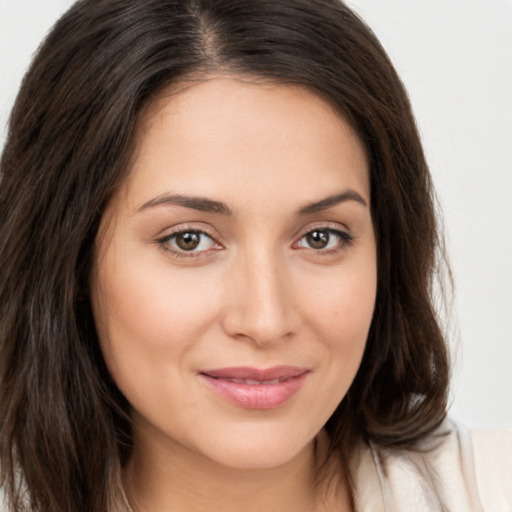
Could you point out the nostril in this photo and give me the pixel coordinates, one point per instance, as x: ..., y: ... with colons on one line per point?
x: 259, y: 306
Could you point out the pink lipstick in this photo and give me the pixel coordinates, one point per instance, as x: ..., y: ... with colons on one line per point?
x: 253, y: 388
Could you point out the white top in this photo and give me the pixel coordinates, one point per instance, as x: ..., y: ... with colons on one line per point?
x: 465, y: 471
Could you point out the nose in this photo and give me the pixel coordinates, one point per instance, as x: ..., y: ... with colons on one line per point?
x: 261, y: 302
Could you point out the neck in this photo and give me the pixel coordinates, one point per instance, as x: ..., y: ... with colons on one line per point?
x: 167, y: 477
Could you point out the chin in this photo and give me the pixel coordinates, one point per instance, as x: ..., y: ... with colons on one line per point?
x: 258, y: 448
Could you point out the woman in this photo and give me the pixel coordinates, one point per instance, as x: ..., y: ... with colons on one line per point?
x: 218, y: 243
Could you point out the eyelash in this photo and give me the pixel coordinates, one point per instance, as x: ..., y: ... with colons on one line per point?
x: 165, y: 240
x: 345, y: 241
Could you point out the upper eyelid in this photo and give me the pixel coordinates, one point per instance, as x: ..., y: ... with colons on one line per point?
x: 170, y: 232
x: 330, y: 229
x: 341, y: 233
x: 334, y: 226
x: 178, y: 232
x: 329, y: 225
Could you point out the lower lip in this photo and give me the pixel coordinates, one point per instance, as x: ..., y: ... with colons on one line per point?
x: 256, y: 396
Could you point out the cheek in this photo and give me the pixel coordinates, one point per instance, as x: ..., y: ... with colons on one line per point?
x: 147, y: 329
x: 151, y: 304
x: 341, y: 305
x: 337, y: 310
x: 340, y: 313
x: 148, y: 318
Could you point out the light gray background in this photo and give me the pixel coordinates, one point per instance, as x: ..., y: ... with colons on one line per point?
x: 455, y: 57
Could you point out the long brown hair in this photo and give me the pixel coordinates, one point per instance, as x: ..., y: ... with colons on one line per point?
x: 64, y: 426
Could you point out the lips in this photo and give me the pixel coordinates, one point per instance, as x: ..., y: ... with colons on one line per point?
x: 254, y: 388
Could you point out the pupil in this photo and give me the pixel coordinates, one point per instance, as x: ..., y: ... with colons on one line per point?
x: 188, y: 241
x: 318, y: 239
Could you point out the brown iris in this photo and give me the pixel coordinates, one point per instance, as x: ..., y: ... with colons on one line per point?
x: 318, y: 239
x: 188, y: 240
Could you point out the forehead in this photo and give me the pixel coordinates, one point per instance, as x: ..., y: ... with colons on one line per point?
x: 243, y: 140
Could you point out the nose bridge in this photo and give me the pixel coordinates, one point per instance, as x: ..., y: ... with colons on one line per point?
x: 261, y: 307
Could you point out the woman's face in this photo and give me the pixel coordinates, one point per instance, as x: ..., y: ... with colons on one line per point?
x: 235, y: 278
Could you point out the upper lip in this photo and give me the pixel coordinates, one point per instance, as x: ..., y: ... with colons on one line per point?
x: 251, y: 373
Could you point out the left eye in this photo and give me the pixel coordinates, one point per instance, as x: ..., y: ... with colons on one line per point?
x: 321, y: 239
x: 189, y: 241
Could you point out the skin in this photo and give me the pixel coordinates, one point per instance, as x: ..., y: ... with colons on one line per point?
x: 253, y: 293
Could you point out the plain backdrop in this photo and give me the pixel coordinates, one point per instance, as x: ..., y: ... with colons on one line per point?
x: 455, y: 58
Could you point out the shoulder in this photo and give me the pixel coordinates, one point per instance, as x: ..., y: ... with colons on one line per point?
x: 492, y: 454
x: 454, y: 469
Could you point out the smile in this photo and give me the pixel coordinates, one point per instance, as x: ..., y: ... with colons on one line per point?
x: 252, y: 388
x: 252, y: 382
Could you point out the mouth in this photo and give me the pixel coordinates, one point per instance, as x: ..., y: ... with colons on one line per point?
x: 253, y: 388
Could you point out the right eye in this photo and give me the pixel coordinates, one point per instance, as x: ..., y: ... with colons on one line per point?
x: 188, y: 242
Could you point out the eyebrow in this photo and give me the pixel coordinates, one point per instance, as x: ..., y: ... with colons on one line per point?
x: 328, y: 202
x: 204, y: 204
